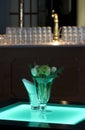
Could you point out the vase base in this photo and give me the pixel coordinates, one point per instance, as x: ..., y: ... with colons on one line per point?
x: 35, y: 107
x: 42, y: 107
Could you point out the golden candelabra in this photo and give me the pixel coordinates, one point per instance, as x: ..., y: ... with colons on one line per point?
x: 55, y: 29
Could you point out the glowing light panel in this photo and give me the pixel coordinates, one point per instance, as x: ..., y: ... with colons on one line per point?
x: 56, y: 114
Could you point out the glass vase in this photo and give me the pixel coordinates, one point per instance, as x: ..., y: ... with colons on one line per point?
x: 43, y: 89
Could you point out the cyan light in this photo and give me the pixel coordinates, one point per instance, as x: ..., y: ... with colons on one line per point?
x: 56, y: 114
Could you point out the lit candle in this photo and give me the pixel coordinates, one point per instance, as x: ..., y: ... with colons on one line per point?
x: 21, y: 13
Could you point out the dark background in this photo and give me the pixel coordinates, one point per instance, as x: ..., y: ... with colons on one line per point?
x: 66, y: 12
x: 67, y: 15
x: 4, y: 15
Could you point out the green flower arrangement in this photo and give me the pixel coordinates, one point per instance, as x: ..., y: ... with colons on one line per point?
x: 43, y: 77
x: 45, y: 71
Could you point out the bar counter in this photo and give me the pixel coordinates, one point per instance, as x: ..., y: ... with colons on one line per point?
x: 14, y: 65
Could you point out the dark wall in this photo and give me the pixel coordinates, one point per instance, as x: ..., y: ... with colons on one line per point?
x: 14, y: 65
x: 4, y: 15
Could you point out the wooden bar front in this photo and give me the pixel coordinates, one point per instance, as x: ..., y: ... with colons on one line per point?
x: 14, y: 65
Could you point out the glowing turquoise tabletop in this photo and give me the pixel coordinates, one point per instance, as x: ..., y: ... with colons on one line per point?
x: 56, y: 114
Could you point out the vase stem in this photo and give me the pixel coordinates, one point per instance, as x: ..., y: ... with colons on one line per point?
x: 42, y: 107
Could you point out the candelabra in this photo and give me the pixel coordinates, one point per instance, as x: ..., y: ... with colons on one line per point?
x: 55, y: 30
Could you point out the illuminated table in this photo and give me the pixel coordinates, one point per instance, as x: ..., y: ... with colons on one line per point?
x: 56, y: 114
